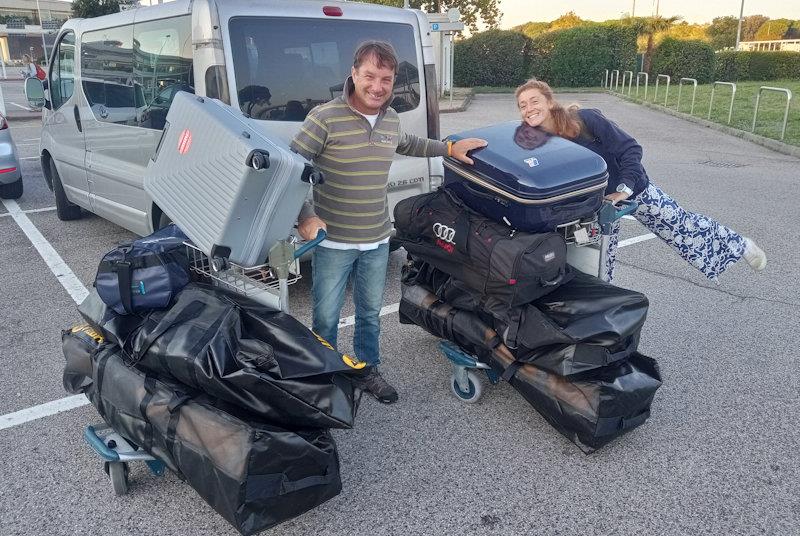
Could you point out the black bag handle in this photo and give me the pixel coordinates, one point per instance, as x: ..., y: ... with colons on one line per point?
x: 288, y: 486
x: 174, y: 316
x: 633, y: 422
x: 124, y: 272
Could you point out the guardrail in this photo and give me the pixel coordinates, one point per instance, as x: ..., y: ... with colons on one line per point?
x: 646, y: 83
x: 785, y: 113
x: 655, y: 95
x: 680, y: 88
x: 733, y: 95
x: 630, y: 81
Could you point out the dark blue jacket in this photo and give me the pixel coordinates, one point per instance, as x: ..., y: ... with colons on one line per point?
x: 623, y: 155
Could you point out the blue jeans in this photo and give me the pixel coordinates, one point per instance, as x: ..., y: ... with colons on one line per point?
x: 331, y: 270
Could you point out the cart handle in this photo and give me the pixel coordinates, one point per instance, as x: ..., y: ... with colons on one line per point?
x: 99, y: 446
x: 609, y: 212
x: 628, y: 206
x: 299, y: 252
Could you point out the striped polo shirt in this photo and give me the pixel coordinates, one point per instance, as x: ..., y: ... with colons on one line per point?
x: 355, y: 158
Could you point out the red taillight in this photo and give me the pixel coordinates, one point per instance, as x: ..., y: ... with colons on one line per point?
x: 8, y: 170
x: 332, y: 11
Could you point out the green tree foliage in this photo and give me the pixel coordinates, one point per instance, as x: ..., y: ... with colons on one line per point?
x: 492, y: 58
x: 567, y: 20
x: 472, y: 11
x: 677, y: 58
x: 648, y: 27
x: 577, y: 57
x: 94, y: 8
x: 722, y: 32
x: 739, y: 66
x: 773, y: 29
x: 750, y: 26
x: 533, y: 29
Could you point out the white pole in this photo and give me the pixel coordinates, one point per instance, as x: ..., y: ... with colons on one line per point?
x: 41, y: 25
x: 3, y: 64
x: 739, y: 29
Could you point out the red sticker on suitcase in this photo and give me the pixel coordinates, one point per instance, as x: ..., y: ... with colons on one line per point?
x: 184, y: 141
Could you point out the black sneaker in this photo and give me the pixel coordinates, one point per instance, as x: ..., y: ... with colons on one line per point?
x: 373, y: 383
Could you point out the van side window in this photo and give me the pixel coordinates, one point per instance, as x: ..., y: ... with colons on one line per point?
x: 284, y: 66
x: 162, y: 66
x: 62, y: 73
x: 107, y: 75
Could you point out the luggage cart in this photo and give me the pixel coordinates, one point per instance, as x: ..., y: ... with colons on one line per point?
x: 267, y: 284
x: 587, y: 244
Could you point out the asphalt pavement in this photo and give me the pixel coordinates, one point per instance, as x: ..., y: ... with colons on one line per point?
x: 718, y: 456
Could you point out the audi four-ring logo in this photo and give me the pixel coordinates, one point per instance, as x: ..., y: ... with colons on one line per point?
x: 443, y: 232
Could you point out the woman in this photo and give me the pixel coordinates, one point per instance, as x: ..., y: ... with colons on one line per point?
x: 704, y: 243
x: 28, y: 67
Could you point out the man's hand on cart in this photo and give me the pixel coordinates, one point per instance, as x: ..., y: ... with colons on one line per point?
x: 616, y: 197
x: 459, y: 149
x: 309, y: 227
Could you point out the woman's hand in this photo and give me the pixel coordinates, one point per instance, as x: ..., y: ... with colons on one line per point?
x: 461, y: 147
x: 616, y: 197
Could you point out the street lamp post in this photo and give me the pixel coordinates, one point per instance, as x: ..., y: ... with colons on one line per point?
x: 739, y: 28
x: 41, y: 25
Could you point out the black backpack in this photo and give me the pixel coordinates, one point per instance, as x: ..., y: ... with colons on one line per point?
x: 489, y: 257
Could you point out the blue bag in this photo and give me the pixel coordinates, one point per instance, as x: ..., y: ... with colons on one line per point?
x: 144, y: 274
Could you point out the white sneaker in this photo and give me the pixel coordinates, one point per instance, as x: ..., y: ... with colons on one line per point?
x: 754, y: 255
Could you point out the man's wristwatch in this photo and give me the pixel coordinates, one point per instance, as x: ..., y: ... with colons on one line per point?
x: 622, y: 188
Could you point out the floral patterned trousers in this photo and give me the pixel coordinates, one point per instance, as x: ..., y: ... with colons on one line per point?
x: 704, y: 243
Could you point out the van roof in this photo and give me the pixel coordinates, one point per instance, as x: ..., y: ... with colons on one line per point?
x: 232, y: 8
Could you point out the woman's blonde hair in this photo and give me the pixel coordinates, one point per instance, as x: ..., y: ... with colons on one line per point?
x: 566, y: 120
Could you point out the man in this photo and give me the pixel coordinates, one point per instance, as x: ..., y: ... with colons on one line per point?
x: 352, y: 139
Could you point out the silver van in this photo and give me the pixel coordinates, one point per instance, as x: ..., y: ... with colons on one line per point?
x: 111, y: 81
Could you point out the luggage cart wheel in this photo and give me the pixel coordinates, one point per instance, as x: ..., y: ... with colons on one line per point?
x: 473, y: 387
x: 118, y: 473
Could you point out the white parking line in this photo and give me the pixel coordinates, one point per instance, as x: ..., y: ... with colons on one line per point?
x: 21, y: 106
x: 30, y: 211
x: 43, y: 410
x: 51, y: 257
x: 30, y: 158
x: 635, y: 240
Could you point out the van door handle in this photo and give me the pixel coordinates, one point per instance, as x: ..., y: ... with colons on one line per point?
x: 77, y: 118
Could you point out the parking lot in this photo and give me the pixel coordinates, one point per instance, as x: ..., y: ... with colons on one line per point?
x: 719, y: 454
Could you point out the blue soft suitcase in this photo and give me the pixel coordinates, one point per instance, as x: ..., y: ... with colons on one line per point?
x: 533, y: 182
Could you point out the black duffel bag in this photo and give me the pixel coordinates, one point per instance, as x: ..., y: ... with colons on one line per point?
x: 235, y: 349
x: 145, y: 273
x: 584, y: 324
x: 253, y: 474
x: 488, y: 257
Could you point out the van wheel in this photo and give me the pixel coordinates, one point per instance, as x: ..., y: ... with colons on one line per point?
x: 163, y: 220
x: 11, y: 191
x: 65, y: 210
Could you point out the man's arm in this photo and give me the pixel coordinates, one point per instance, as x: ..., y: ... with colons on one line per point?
x: 411, y: 145
x: 309, y: 142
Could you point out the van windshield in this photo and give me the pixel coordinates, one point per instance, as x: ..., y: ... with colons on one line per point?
x: 284, y: 67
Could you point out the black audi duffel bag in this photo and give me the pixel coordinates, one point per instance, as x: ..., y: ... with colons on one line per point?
x: 488, y: 257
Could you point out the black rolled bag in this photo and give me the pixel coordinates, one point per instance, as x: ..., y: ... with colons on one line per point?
x: 589, y: 409
x: 582, y: 325
x: 232, y: 348
x: 79, y: 343
x: 254, y: 474
x: 488, y: 257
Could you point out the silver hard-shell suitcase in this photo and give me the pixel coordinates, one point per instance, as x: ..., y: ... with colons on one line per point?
x: 233, y: 191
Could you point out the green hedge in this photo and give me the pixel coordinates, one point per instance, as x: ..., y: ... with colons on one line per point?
x: 684, y: 58
x: 492, y: 58
x: 578, y: 57
x: 735, y: 66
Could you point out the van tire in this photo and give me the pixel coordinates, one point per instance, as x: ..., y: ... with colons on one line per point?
x: 163, y: 221
x: 65, y: 210
x: 11, y: 191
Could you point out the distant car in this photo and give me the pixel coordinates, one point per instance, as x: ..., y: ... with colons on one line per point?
x: 10, y: 175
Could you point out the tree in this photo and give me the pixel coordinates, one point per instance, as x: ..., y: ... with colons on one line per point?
x: 94, y: 8
x: 532, y: 29
x: 567, y: 20
x: 649, y: 27
x: 750, y: 26
x: 773, y: 29
x: 722, y: 32
x: 472, y: 11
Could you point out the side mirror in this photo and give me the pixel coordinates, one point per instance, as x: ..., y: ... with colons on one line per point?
x: 34, y: 92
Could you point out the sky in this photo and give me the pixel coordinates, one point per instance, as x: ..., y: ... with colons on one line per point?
x: 517, y: 12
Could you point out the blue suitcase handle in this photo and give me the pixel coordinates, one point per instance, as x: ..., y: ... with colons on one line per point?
x: 321, y: 235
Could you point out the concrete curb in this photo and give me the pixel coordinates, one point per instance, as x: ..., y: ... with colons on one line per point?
x: 464, y: 104
x: 769, y: 143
